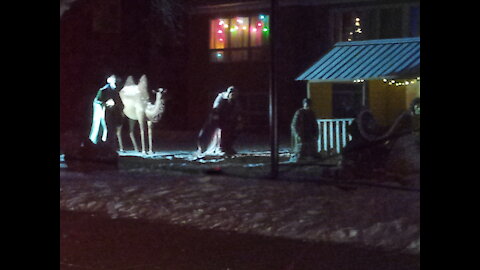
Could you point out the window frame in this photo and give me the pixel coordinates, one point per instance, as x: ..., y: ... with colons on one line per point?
x: 336, y: 25
x: 253, y: 53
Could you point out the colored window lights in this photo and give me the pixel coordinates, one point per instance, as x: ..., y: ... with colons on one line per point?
x: 259, y: 30
x: 217, y: 33
x: 239, y: 34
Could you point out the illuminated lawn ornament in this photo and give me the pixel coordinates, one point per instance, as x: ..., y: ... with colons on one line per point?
x: 98, y: 123
x: 98, y: 120
x: 137, y: 107
x: 112, y: 81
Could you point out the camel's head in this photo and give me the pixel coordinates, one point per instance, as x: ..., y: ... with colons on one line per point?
x: 154, y: 111
x: 162, y: 90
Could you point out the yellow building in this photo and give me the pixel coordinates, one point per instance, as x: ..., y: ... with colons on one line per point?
x: 383, y: 75
x: 386, y: 100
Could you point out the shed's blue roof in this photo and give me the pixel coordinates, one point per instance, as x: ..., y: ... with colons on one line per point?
x: 368, y: 60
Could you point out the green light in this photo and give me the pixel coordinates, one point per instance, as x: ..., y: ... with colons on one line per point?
x: 262, y: 17
x: 265, y: 29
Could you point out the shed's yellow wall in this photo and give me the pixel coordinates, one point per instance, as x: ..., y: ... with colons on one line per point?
x: 413, y: 91
x: 385, y: 101
x: 321, y: 96
x: 378, y: 101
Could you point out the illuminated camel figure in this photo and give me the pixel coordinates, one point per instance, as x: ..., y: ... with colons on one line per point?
x: 137, y: 107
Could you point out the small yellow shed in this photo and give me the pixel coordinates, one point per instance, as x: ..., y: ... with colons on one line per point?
x: 383, y: 75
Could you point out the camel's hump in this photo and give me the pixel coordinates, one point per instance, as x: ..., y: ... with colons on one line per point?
x: 143, y: 84
x: 129, y: 81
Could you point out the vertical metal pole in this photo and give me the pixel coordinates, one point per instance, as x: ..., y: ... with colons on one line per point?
x: 273, y: 94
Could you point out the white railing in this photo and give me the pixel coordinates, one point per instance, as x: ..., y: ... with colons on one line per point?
x: 333, y: 134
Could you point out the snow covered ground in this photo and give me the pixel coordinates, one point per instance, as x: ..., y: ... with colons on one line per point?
x: 235, y: 195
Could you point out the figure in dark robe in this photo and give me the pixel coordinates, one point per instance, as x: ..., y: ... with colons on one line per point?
x: 304, y: 132
x: 229, y: 123
x: 209, y: 137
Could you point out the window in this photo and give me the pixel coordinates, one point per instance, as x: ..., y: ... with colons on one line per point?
x: 346, y: 100
x: 354, y: 25
x: 391, y: 23
x: 415, y: 21
x: 375, y: 22
x: 239, y: 38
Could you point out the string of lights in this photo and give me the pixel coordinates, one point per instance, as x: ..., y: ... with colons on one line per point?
x: 401, y: 83
x: 393, y: 82
x: 358, y: 29
x: 241, y: 24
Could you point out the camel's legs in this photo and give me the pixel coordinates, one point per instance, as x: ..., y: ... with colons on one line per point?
x: 131, y: 125
x: 141, y: 123
x: 119, y: 137
x: 150, y: 148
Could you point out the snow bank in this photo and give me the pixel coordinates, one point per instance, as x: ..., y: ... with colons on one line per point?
x: 365, y: 215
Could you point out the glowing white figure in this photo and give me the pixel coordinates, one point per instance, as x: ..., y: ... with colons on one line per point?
x: 137, y: 107
x: 98, y: 120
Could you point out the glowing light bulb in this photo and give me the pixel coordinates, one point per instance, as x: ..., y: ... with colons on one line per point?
x: 219, y: 31
x: 225, y: 26
x: 221, y: 22
x: 265, y: 29
x: 357, y: 19
x: 219, y: 55
x: 254, y: 29
x: 240, y: 21
x: 244, y: 28
x: 259, y: 24
x: 261, y: 17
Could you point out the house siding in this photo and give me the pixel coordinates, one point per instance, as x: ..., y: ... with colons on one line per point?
x: 303, y: 37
